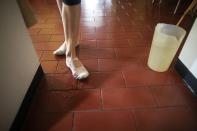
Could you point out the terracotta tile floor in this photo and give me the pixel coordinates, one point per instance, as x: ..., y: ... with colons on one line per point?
x: 122, y: 93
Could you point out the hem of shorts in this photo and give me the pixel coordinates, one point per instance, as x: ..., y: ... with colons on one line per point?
x: 71, y: 3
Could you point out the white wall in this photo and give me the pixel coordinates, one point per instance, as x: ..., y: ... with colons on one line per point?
x: 193, y: 68
x: 188, y: 54
x: 18, y: 62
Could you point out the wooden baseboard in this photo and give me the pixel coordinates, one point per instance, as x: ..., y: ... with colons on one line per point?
x: 187, y: 76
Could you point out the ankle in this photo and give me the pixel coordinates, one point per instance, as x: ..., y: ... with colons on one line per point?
x: 71, y: 54
x: 70, y: 58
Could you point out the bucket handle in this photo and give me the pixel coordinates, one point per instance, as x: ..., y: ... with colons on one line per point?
x: 193, y: 3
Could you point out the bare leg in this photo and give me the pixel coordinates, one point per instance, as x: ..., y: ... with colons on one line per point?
x: 73, y: 13
x: 71, y: 19
x: 62, y: 49
x: 59, y: 4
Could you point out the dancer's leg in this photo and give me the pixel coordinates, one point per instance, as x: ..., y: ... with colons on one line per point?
x: 72, y: 61
x: 73, y: 13
x: 62, y: 49
x: 59, y: 4
x: 70, y: 20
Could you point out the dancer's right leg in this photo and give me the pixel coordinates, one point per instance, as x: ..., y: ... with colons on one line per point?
x: 70, y: 14
x: 73, y: 19
x: 62, y: 49
x: 59, y: 4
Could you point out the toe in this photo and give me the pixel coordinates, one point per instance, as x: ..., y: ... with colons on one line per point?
x: 54, y: 52
x: 83, y: 75
x: 58, y: 52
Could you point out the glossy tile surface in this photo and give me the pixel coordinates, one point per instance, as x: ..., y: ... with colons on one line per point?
x: 121, y: 93
x: 166, y: 119
x: 105, y: 121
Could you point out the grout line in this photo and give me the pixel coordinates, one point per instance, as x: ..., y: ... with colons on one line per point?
x: 73, y: 121
x: 77, y: 85
x: 38, y: 33
x: 110, y: 35
x: 130, y: 43
x: 56, y: 66
x: 135, y: 119
x: 120, y: 109
x: 154, y: 97
x: 49, y: 40
x: 98, y: 62
x: 124, y: 79
x: 96, y: 43
x: 42, y: 52
x: 115, y: 52
x: 101, y: 99
x: 131, y: 108
x: 67, y: 90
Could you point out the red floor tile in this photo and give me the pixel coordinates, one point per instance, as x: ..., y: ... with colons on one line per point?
x: 143, y: 77
x: 119, y: 64
x: 47, y: 45
x: 87, y: 44
x: 132, y: 27
x: 125, y: 35
x: 46, y: 31
x: 103, y: 80
x: 53, y: 21
x: 166, y: 119
x: 57, y: 38
x: 104, y: 121
x: 43, y: 26
x: 113, y: 43
x: 107, y: 20
x: 62, y: 68
x: 39, y: 45
x: 140, y: 42
x: 57, y: 31
x: 91, y: 64
x: 52, y: 45
x: 72, y: 100
x: 96, y: 53
x: 131, y: 52
x: 60, y: 82
x: 93, y: 36
x: 126, y: 21
x: 48, y: 55
x: 94, y: 24
x: 175, y: 77
x: 170, y: 96
x: 50, y: 122
x: 139, y: 97
x: 40, y: 38
x: 49, y: 66
x: 87, y: 29
x: 104, y: 29
x: 33, y: 31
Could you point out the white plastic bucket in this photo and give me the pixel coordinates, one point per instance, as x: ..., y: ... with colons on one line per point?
x: 166, y: 41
